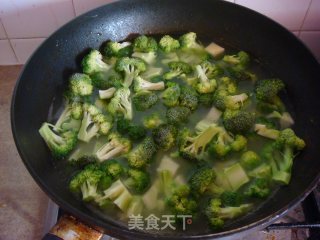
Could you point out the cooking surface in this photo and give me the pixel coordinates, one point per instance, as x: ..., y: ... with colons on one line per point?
x: 22, y: 203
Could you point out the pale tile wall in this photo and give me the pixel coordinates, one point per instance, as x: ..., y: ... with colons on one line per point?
x: 24, y: 24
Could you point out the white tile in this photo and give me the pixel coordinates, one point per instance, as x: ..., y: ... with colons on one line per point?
x: 2, y: 31
x: 25, y: 47
x: 289, y: 13
x: 312, y: 40
x: 312, y: 21
x: 7, y: 56
x: 82, y: 6
x: 34, y: 18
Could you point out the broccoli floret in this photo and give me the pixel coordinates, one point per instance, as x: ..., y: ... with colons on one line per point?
x: 238, y: 121
x: 217, y: 214
x: 222, y: 100
x: 206, y: 99
x: 138, y: 181
x: 143, y: 101
x: 60, y: 144
x: 231, y: 198
x: 168, y: 44
x: 123, y: 125
x: 165, y: 136
x: 152, y: 72
x: 265, y: 131
x: 241, y: 60
x: 80, y: 84
x: 130, y: 67
x: 108, y: 93
x: 116, y: 146
x: 178, y: 115
x: 152, y: 121
x: 145, y: 44
x: 177, y: 68
x: 93, y: 123
x: 93, y: 63
x: 141, y: 155
x: 189, y: 41
x: 118, y: 194
x: 181, y: 202
x: 206, y: 73
x: 189, y: 98
x: 116, y: 49
x: 103, y: 81
x: 250, y: 160
x: 201, y: 180
x: 192, y: 147
x: 86, y: 182
x: 238, y: 73
x: 284, y: 118
x: 267, y: 90
x: 112, y: 168
x: 170, y: 96
x: 258, y: 188
x: 136, y: 132
x: 80, y: 161
x: 142, y: 85
x: 228, y: 85
x: 149, y: 57
x: 67, y: 120
x: 121, y: 103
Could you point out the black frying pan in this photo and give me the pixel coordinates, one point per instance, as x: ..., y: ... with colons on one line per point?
x: 44, y: 76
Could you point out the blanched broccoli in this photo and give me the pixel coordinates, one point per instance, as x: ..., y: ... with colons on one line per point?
x: 265, y: 131
x: 80, y: 84
x: 152, y: 72
x: 103, y: 81
x: 116, y: 146
x: 267, y: 90
x: 143, y: 101
x: 238, y: 121
x: 142, y: 154
x: 231, y: 198
x: 189, y: 98
x: 217, y: 214
x: 93, y: 63
x: 170, y: 96
x: 86, y: 182
x: 177, y: 115
x: 138, y: 181
x: 168, y: 44
x: 189, y: 41
x: 93, y: 123
x: 206, y: 73
x: 164, y: 136
x: 206, y: 99
x: 112, y: 168
x: 152, y: 121
x: 135, y: 207
x: 250, y: 160
x: 241, y: 59
x: 116, y: 49
x: 223, y: 100
x: 108, y: 93
x: 145, y: 44
x: 121, y: 103
x: 177, y: 68
x: 142, y: 85
x: 258, y: 188
x: 148, y: 57
x: 136, y: 132
x: 284, y: 118
x: 59, y: 143
x: 201, y: 180
x: 69, y: 118
x: 130, y: 67
x: 228, y: 85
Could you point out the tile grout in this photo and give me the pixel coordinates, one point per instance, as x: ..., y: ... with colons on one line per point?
x: 304, y: 18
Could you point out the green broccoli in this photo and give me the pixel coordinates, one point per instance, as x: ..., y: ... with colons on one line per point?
x: 206, y: 99
x: 264, y: 131
x: 112, y: 168
x: 170, y: 96
x: 164, y: 136
x: 189, y: 98
x: 152, y: 121
x: 108, y: 93
x: 177, y: 68
x: 201, y: 180
x: 135, y: 207
x: 205, y: 74
x: 142, y: 85
x: 250, y: 160
x: 93, y: 63
x: 136, y: 132
x: 130, y: 67
x: 103, y: 81
x: 231, y: 198
x: 81, y: 84
x: 138, y: 181
x: 222, y: 100
x: 178, y: 115
x: 142, y: 154
x: 285, y: 119
x: 152, y: 72
x: 168, y: 44
x: 238, y: 121
x: 148, y: 57
x: 145, y: 44
x: 217, y: 214
x: 267, y: 90
x: 143, y: 101
x: 60, y: 144
x: 116, y: 146
x: 121, y: 103
x: 70, y: 116
x: 258, y: 188
x: 116, y: 49
x: 241, y: 60
x: 189, y: 41
x: 228, y: 85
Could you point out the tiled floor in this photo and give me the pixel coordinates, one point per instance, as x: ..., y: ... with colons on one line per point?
x: 22, y: 203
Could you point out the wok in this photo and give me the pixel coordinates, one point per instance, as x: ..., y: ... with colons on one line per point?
x: 45, y: 75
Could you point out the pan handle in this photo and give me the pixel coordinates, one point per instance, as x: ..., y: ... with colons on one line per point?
x: 69, y: 228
